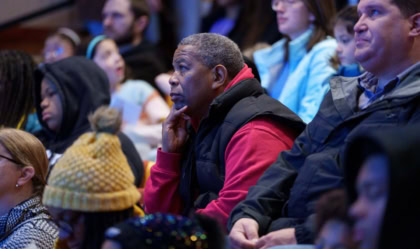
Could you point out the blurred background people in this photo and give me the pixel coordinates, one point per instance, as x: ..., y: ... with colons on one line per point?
x: 24, y: 221
x: 142, y: 107
x: 345, y: 61
x: 61, y: 44
x: 295, y: 68
x: 246, y: 22
x: 125, y: 21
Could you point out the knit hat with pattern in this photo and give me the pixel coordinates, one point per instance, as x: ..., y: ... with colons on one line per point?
x: 93, y: 174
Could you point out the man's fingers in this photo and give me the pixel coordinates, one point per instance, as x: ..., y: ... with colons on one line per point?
x: 181, y: 111
x: 175, y: 114
x: 259, y: 244
x: 239, y: 241
x: 251, y: 233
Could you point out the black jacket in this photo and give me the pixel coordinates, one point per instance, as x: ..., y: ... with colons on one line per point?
x: 401, y: 148
x: 203, y: 162
x: 286, y: 193
x: 82, y: 87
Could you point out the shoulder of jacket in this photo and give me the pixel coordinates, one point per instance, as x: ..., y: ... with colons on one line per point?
x: 326, y: 44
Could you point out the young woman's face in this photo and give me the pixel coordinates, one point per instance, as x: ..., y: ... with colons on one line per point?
x: 108, y: 57
x: 52, y: 109
x: 293, y: 17
x: 345, y: 44
x: 71, y: 226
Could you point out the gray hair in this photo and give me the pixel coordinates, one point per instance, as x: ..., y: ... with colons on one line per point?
x: 214, y: 49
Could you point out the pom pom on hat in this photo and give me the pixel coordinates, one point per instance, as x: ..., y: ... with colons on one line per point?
x: 93, y: 174
x: 106, y: 120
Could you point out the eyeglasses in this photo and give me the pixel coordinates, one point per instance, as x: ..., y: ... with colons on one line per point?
x: 10, y: 159
x: 287, y: 3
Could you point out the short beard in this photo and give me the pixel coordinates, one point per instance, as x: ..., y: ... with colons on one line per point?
x: 126, y: 38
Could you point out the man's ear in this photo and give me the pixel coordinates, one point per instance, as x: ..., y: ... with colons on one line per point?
x: 27, y: 173
x: 220, y: 76
x: 140, y: 24
x: 415, y: 25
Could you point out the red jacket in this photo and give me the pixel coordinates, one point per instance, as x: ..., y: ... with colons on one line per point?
x: 252, y: 149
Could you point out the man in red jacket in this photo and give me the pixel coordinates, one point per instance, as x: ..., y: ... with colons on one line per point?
x: 221, y: 135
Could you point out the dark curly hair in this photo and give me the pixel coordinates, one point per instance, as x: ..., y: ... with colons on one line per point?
x: 16, y: 87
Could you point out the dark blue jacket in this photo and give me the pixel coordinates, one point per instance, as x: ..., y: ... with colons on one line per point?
x: 285, y: 194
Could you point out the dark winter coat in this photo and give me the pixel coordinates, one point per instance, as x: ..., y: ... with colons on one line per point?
x: 286, y: 193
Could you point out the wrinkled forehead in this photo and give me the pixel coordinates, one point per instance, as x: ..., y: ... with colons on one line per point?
x: 187, y: 53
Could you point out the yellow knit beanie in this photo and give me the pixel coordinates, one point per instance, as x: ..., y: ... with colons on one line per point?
x: 93, y: 174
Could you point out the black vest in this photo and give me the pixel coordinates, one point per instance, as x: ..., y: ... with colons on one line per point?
x: 203, y: 163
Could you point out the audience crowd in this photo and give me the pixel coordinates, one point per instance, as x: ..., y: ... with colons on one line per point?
x: 285, y: 124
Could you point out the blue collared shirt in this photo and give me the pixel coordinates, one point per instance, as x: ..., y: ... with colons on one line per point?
x: 372, y: 91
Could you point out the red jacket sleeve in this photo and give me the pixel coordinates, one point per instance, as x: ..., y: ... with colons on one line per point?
x: 252, y: 149
x: 161, y: 190
x: 249, y: 153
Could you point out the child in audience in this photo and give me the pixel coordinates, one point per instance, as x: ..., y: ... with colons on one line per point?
x: 163, y: 231
x: 24, y: 221
x: 16, y: 91
x: 92, y: 187
x: 295, y: 68
x: 142, y: 106
x: 345, y: 61
x: 62, y: 44
x: 382, y: 175
x: 66, y: 92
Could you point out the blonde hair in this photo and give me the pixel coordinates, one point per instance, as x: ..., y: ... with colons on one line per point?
x: 27, y: 150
